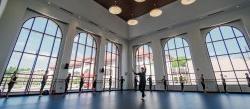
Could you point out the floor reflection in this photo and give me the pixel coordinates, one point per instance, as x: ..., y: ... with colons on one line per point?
x: 129, y: 100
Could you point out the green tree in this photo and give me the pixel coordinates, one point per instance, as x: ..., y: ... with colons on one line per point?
x: 180, y: 62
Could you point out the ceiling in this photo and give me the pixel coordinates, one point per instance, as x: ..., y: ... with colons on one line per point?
x: 132, y: 9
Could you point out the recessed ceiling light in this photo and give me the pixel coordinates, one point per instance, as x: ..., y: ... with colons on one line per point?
x: 155, y: 12
x: 132, y: 22
x: 187, y: 2
x: 115, y: 9
x: 140, y: 1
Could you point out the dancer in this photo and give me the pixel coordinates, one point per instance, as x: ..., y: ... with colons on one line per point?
x: 224, y: 83
x: 202, y: 79
x: 11, y: 83
x: 142, y: 83
x: 43, y: 82
x: 94, y: 84
x: 164, y: 80
x: 248, y: 79
x: 182, y: 83
x: 135, y: 83
x: 122, y: 80
x: 67, y: 83
x: 110, y: 83
x: 150, y: 82
x: 81, y: 83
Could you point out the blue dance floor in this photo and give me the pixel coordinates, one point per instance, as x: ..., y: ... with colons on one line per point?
x: 130, y: 100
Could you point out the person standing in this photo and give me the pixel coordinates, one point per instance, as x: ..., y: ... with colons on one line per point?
x: 81, y: 83
x: 135, y: 83
x: 43, y: 82
x: 67, y: 83
x: 142, y: 83
x: 121, y: 82
x: 150, y: 82
x: 202, y: 79
x: 182, y: 83
x: 224, y: 83
x: 110, y: 83
x: 164, y: 80
x: 13, y: 80
x: 248, y: 79
x: 94, y: 83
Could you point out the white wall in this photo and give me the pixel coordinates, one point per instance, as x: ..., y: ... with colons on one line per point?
x: 12, y: 20
x: 196, y: 41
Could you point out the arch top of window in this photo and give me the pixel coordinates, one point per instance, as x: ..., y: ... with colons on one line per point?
x: 223, y: 32
x: 85, y: 39
x: 112, y: 47
x: 143, y: 48
x: 175, y: 42
x: 43, y: 25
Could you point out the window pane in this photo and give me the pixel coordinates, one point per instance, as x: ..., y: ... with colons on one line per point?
x: 28, y: 23
x: 227, y: 32
x: 243, y: 44
x: 51, y: 28
x: 33, y: 43
x: 47, y: 45
x: 238, y: 62
x: 220, y: 48
x: 82, y: 39
x: 215, y: 34
x: 39, y: 24
x: 232, y: 46
x: 23, y: 36
x: 56, y: 47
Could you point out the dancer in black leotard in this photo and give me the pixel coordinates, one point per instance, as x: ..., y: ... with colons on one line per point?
x: 202, y: 79
x: 142, y: 83
x: 182, y: 83
x: 110, y: 83
x: 224, y: 83
x: 11, y: 83
x: 248, y: 79
x: 164, y: 80
x: 43, y: 82
x: 150, y: 82
x: 67, y: 83
x: 121, y: 82
x: 135, y: 83
x: 81, y: 83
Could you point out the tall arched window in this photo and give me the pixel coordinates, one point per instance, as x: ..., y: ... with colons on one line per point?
x: 112, y: 69
x: 179, y: 62
x: 35, y: 52
x: 229, y: 54
x: 144, y: 58
x: 82, y: 62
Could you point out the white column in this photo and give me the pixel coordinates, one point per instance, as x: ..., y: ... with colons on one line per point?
x: 64, y: 57
x: 158, y: 63
x: 10, y: 25
x: 201, y: 60
x: 100, y: 65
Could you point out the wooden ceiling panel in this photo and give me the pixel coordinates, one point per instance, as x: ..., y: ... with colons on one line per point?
x: 132, y: 9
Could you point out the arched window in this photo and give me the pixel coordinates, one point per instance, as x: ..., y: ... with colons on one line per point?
x: 112, y: 69
x: 144, y: 58
x: 82, y: 62
x: 229, y: 54
x: 35, y: 52
x: 179, y: 62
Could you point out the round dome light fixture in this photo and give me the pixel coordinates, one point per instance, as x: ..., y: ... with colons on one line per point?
x: 115, y: 9
x: 132, y: 22
x: 187, y: 2
x: 155, y: 12
x: 139, y: 1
